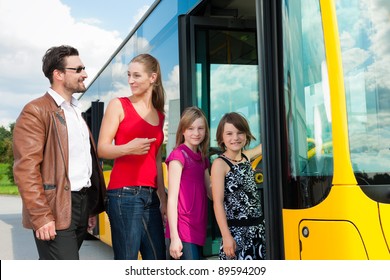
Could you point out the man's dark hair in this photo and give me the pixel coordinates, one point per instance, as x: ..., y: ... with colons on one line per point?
x: 54, y: 58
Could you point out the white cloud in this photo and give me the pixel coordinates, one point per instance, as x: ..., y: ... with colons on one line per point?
x: 136, y: 18
x: 171, y: 86
x: 27, y: 30
x: 91, y: 21
x: 379, y: 11
x: 140, y: 13
x: 371, y: 18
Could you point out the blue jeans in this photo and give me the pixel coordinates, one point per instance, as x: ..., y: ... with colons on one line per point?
x: 191, y: 251
x: 136, y: 223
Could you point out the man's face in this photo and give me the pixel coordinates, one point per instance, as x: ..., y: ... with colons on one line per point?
x: 74, y: 78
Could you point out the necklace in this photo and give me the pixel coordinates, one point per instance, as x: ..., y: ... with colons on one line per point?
x: 233, y: 160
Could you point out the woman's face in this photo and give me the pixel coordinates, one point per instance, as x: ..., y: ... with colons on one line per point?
x: 139, y: 80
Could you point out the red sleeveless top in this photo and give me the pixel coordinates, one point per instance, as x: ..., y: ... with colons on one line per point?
x: 136, y: 170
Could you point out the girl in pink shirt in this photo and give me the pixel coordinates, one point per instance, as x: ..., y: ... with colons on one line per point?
x: 188, y: 187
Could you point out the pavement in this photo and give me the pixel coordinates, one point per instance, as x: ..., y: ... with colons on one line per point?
x: 17, y: 243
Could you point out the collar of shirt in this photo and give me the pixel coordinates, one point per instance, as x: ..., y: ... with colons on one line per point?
x: 60, y: 100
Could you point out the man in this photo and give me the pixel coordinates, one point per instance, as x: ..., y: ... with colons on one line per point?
x: 56, y: 166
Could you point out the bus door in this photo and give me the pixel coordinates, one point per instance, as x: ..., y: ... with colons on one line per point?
x: 219, y: 74
x: 93, y: 117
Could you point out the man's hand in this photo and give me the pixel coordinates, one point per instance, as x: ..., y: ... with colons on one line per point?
x: 46, y: 232
x: 91, y: 223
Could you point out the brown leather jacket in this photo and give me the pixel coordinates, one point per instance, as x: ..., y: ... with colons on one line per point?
x: 40, y: 145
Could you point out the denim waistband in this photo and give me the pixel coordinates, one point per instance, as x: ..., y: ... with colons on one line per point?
x: 146, y: 188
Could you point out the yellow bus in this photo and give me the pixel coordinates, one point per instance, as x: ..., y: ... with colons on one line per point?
x: 312, y: 78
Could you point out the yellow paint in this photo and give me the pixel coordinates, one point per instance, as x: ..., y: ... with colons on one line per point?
x: 165, y: 174
x: 104, y: 223
x: 344, y: 226
x: 343, y: 173
x: 384, y: 214
x: 324, y: 240
x: 258, y: 174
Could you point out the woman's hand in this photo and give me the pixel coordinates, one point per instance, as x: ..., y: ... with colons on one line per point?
x: 139, y: 146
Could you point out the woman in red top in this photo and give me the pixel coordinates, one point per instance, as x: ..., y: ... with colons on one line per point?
x: 132, y: 134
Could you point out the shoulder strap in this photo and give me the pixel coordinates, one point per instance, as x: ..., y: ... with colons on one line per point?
x: 226, y: 160
x: 244, y: 156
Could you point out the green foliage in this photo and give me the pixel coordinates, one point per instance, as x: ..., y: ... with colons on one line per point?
x: 11, y: 190
x: 6, y: 153
x: 107, y: 164
x: 10, y: 173
x: 7, y: 186
x: 4, y: 133
x: 3, y: 174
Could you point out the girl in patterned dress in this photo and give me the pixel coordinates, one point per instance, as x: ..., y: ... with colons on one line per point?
x: 236, y: 197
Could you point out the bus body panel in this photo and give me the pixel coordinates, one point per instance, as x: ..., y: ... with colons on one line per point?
x: 104, y: 223
x: 327, y: 234
x: 341, y: 227
x: 384, y: 214
x: 343, y: 173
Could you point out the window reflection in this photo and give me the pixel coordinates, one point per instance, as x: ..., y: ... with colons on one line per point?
x: 234, y: 89
x: 157, y: 35
x: 308, y: 164
x: 364, y: 35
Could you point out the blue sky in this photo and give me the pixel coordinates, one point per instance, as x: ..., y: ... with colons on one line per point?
x: 28, y: 28
x: 116, y: 15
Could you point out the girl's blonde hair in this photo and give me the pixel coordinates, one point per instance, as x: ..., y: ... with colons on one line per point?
x: 188, y: 117
x: 239, y: 122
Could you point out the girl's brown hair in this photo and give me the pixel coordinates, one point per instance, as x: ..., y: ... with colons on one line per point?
x: 188, y: 117
x: 153, y: 66
x: 239, y: 122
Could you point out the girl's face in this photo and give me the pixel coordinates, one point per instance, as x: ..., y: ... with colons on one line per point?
x: 233, y: 139
x: 139, y: 80
x: 194, y: 134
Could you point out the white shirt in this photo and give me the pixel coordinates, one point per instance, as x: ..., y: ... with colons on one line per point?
x: 80, y: 159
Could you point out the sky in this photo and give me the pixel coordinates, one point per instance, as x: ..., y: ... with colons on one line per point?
x: 28, y: 28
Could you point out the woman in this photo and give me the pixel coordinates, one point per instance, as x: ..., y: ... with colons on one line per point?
x: 132, y: 134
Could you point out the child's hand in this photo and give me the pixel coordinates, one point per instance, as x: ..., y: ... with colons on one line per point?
x: 175, y: 249
x: 229, y: 246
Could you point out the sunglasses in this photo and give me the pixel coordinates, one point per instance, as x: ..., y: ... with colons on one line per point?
x: 78, y: 69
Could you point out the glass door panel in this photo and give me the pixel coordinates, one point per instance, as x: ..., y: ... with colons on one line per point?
x: 226, y: 80
x: 227, y: 77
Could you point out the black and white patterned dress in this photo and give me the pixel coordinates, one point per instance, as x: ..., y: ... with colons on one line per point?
x: 242, y: 202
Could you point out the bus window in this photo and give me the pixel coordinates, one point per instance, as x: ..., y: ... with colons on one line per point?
x: 231, y: 59
x: 364, y: 39
x: 307, y: 128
